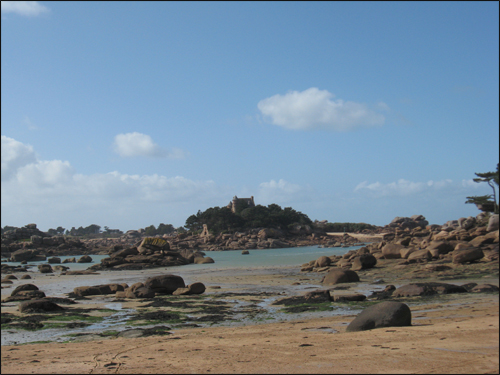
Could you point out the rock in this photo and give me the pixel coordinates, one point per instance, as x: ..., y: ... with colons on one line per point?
x: 45, y: 268
x: 25, y: 295
x: 123, y: 253
x: 337, y: 276
x: 492, y: 223
x: 181, y: 292
x: 392, y: 251
x: 23, y: 287
x: 166, y: 284
x: 83, y: 291
x: 141, y: 292
x: 60, y: 268
x: 420, y: 254
x: 466, y: 255
x: 85, y: 259
x: 317, y: 296
x: 442, y: 247
x: 20, y: 255
x: 245, y: 252
x: 39, y: 305
x: 196, y: 288
x: 322, y: 261
x: 24, y: 277
x: 482, y: 288
x: 363, y: 262
x: 10, y: 277
x: 69, y: 260
x: 348, y: 297
x: 384, y: 314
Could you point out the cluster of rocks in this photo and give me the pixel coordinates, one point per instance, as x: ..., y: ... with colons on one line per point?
x: 34, y: 300
x: 459, y: 242
x: 149, y: 253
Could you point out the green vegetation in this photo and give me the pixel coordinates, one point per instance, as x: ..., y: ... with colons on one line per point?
x: 162, y: 229
x: 220, y: 220
x: 486, y: 203
x: 346, y: 227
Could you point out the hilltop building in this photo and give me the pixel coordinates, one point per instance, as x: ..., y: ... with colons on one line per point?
x: 234, y: 202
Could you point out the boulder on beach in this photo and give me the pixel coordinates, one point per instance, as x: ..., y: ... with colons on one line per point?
x: 338, y: 275
x: 45, y: 268
x: 363, y: 262
x: 384, y: 314
x: 166, y: 284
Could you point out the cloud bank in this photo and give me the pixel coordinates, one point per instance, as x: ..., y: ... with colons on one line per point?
x: 33, y: 188
x: 138, y: 144
x: 316, y: 109
x: 24, y: 8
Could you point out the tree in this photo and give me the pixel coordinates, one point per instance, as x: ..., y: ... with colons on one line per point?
x: 491, y: 178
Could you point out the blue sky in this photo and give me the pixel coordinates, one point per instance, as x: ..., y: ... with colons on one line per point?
x: 127, y: 114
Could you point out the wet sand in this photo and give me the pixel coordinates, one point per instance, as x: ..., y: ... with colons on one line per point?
x: 456, y: 334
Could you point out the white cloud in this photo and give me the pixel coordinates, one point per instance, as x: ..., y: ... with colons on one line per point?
x: 50, y: 192
x: 315, y: 109
x: 24, y: 8
x: 402, y: 187
x: 15, y: 155
x: 138, y: 144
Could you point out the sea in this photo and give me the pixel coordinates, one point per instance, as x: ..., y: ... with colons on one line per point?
x: 290, y: 256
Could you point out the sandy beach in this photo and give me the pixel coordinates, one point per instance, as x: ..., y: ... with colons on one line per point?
x: 450, y: 334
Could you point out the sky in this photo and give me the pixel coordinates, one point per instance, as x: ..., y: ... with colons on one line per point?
x: 131, y: 114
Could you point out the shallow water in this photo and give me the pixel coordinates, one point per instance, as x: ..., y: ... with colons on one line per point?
x: 228, y: 259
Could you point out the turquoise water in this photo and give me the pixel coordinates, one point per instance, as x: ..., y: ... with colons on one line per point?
x: 292, y: 256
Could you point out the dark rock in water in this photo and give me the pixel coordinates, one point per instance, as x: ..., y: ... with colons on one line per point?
x: 384, y: 314
x: 40, y: 305
x: 85, y: 259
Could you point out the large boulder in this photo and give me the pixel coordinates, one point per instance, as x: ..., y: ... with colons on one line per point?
x: 467, y: 255
x: 338, y: 275
x: 363, y: 261
x: 85, y: 259
x: 24, y: 287
x: 392, y: 251
x: 493, y: 223
x: 384, y: 314
x: 166, y: 284
x: 45, y: 268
